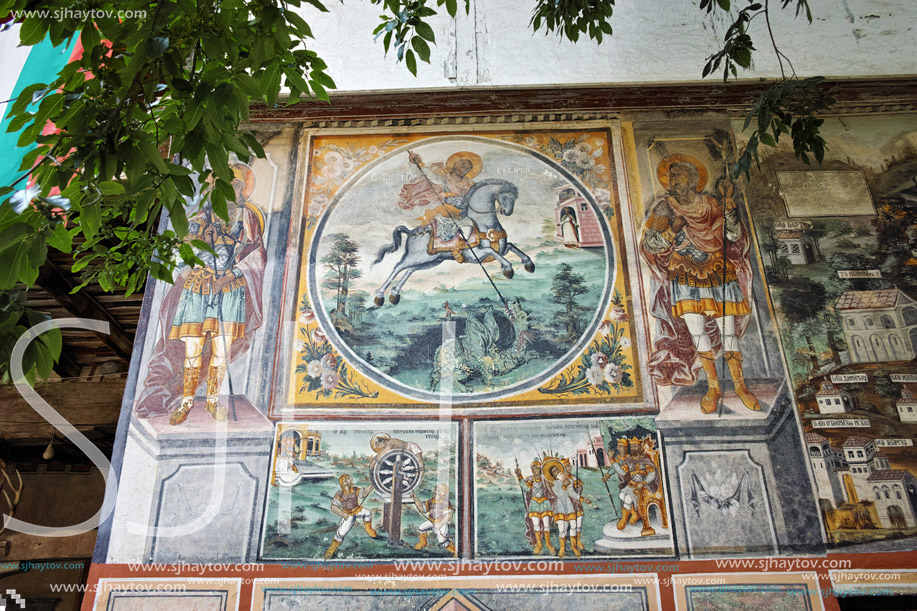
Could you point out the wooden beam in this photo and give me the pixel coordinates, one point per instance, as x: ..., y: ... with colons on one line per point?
x: 85, y: 405
x: 406, y: 108
x: 66, y: 366
x: 58, y: 283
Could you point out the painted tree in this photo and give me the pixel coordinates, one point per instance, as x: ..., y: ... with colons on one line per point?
x: 341, y: 265
x: 566, y: 287
x: 885, y: 387
x: 803, y: 304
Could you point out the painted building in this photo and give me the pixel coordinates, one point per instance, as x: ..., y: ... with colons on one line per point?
x: 576, y: 223
x: 895, y: 493
x: 797, y: 246
x: 834, y: 400
x: 879, y: 325
x: 906, y: 406
x: 594, y: 454
x: 855, y: 484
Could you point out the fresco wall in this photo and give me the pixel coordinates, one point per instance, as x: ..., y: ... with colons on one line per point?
x: 563, y: 340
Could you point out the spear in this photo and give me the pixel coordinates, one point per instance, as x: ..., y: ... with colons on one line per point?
x: 604, y: 481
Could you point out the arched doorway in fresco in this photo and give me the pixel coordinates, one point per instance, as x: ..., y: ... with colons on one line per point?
x: 878, y: 348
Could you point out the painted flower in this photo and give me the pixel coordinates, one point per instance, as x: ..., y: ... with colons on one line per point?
x: 530, y: 141
x: 583, y: 148
x: 372, y: 150
x: 330, y: 379
x: 613, y: 373
x: 605, y: 328
x: 571, y: 156
x: 595, y: 375
x: 307, y: 316
x: 599, y: 359
x: 318, y: 336
x: 329, y: 362
x: 585, y: 163
x: 625, y: 342
x: 603, y: 198
x: 299, y: 345
x: 618, y: 314
x: 317, y: 203
x: 315, y: 369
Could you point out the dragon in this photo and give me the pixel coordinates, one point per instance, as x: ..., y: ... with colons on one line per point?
x: 477, y: 352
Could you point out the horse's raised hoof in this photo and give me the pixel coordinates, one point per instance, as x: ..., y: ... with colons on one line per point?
x: 509, y: 273
x: 530, y: 267
x: 394, y: 298
x: 379, y: 300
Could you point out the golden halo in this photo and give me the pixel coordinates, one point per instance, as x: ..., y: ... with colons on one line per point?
x: 662, y: 170
x: 246, y: 175
x: 476, y: 163
x: 549, y: 465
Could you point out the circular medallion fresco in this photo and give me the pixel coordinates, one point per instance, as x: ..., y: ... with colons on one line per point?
x: 461, y: 268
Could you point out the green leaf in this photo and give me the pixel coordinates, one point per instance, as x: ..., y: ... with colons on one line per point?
x: 90, y: 218
x: 411, y: 62
x: 155, y: 47
x: 60, y: 238
x: 111, y: 188
x: 767, y: 139
x: 422, y: 48
x: 424, y: 30
x: 31, y: 32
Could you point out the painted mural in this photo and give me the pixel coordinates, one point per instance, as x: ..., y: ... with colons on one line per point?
x: 839, y: 243
x: 209, y: 315
x: 631, y: 353
x: 570, y: 488
x: 473, y: 269
x: 699, y: 275
x: 362, y: 490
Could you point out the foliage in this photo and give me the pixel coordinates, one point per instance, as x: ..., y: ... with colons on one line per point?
x: 41, y: 354
x: 147, y: 121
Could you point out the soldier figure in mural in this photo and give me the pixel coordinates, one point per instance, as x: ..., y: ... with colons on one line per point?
x: 219, y: 302
x: 564, y: 504
x: 578, y: 503
x: 699, y: 253
x: 348, y: 504
x: 638, y: 481
x: 438, y: 512
x: 538, y: 499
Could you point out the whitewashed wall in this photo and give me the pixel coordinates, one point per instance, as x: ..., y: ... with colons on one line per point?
x: 654, y: 41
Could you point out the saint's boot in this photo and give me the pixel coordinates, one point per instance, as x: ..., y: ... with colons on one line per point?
x: 749, y: 400
x: 189, y: 384
x: 711, y: 399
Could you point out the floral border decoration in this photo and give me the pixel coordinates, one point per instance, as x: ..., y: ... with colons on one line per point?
x: 324, y: 371
x: 602, y: 369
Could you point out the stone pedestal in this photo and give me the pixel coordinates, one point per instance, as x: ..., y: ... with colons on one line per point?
x: 628, y: 543
x: 209, y: 494
x: 738, y: 480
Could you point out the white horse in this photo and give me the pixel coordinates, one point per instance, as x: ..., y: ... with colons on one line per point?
x: 479, y: 205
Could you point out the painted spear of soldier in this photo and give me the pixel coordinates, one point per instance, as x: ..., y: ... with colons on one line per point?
x: 521, y: 489
x: 605, y: 481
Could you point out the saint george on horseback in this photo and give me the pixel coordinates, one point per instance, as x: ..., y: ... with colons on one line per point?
x: 464, y: 228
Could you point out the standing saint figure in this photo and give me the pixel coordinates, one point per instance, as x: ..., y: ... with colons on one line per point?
x: 699, y: 253
x: 209, y: 314
x: 569, y: 228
